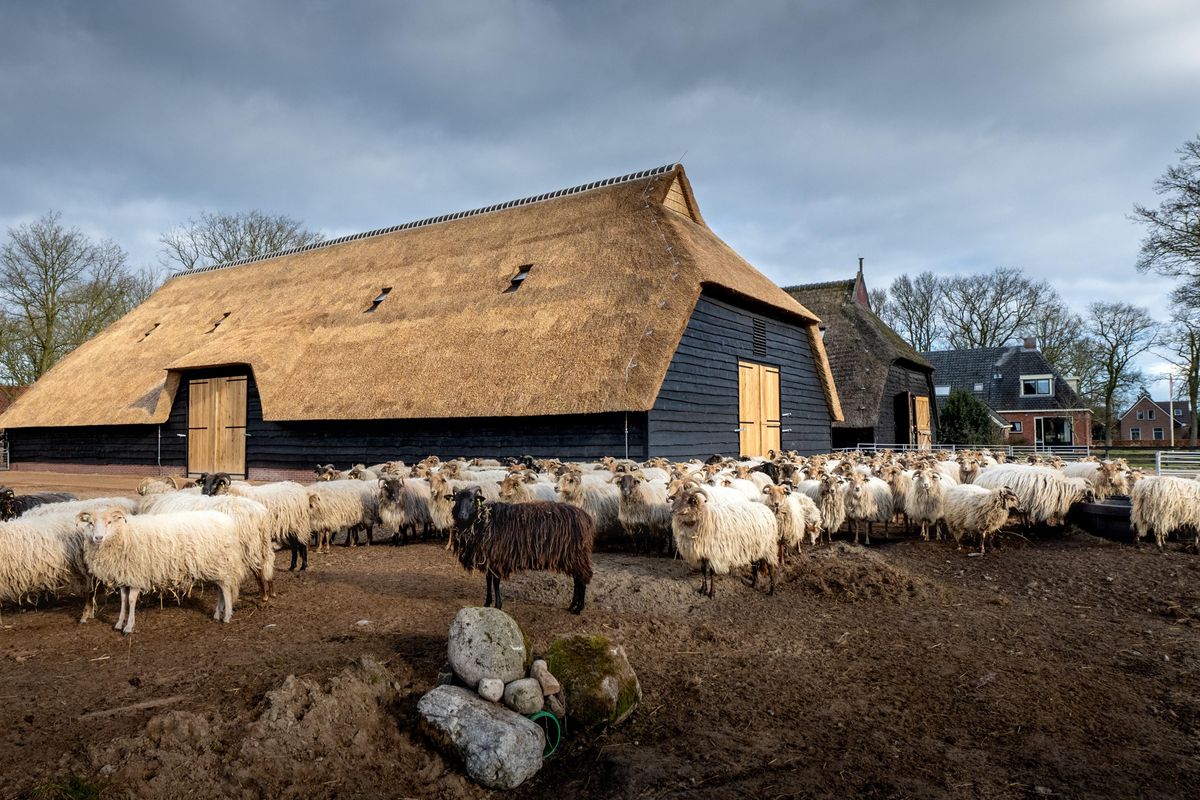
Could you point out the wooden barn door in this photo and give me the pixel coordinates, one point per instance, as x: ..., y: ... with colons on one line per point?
x: 217, y: 425
x: 923, y: 421
x: 758, y: 409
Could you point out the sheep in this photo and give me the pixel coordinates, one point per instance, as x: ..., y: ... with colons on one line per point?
x: 925, y: 501
x: 899, y: 482
x: 749, y: 489
x: 600, y: 499
x: 328, y: 472
x: 43, y: 554
x: 970, y: 508
x: 524, y: 487
x: 164, y: 483
x: 359, y: 472
x: 406, y: 504
x: 502, y: 538
x: 390, y: 469
x: 831, y: 502
x: 252, y: 532
x: 861, y: 503
x: 717, y: 533
x: 163, y: 552
x: 13, y: 505
x: 1163, y: 505
x: 1106, y: 478
x: 949, y: 470
x: 287, y: 521
x: 642, y: 509
x: 441, y: 508
x: 73, y: 507
x: 795, y: 515
x: 1045, y: 495
x: 334, y: 505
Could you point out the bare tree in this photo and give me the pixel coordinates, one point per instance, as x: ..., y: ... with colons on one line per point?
x: 1172, y: 243
x: 912, y: 310
x: 222, y: 238
x: 1121, y: 332
x: 58, y: 288
x: 1059, y: 332
x: 988, y: 310
x: 878, y: 299
x: 1180, y: 344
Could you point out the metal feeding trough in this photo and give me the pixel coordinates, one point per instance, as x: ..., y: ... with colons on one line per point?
x: 1108, y: 518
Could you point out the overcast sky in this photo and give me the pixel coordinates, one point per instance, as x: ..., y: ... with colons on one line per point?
x: 949, y: 136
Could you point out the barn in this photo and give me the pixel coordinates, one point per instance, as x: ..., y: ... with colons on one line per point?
x: 603, y: 319
x: 885, y: 386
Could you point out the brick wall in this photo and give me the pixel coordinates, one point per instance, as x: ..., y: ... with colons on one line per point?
x: 1081, y: 425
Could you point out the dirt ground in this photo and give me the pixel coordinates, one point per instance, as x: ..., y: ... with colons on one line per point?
x: 1062, y: 666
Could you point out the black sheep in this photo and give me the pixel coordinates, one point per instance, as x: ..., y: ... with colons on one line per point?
x: 13, y: 505
x: 502, y: 538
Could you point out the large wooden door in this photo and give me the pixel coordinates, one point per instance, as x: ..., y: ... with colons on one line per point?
x: 923, y: 421
x: 217, y: 425
x: 758, y: 409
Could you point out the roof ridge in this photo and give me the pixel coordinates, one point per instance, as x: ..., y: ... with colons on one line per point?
x: 421, y: 223
x: 823, y: 285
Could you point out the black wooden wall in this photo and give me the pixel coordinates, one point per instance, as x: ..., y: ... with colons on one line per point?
x: 902, y: 378
x: 696, y: 414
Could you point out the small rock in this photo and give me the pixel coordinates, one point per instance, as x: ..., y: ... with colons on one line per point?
x: 487, y: 643
x: 499, y: 748
x: 549, y: 683
x: 524, y: 696
x: 556, y: 704
x: 362, y: 623
x: 491, y: 689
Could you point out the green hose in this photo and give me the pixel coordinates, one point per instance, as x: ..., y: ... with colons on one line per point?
x: 549, y: 724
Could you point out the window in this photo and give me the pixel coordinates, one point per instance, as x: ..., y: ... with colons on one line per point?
x: 1016, y: 427
x: 1178, y: 411
x: 941, y: 391
x: 519, y: 278
x: 760, y: 338
x: 1150, y: 413
x: 979, y: 387
x: 1135, y: 434
x: 383, y: 293
x: 1037, y: 385
x: 1158, y: 434
x: 1141, y: 415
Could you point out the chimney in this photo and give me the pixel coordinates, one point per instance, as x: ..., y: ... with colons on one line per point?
x: 1030, y: 343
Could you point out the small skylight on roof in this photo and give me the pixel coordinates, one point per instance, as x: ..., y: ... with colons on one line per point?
x: 383, y: 293
x: 217, y: 324
x: 519, y: 278
x: 147, y: 333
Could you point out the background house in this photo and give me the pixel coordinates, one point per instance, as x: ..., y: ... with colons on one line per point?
x: 1148, y: 420
x: 1040, y: 406
x: 884, y: 385
x: 604, y: 319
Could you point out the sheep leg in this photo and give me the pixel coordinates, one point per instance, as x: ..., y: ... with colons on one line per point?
x: 124, y: 608
x: 499, y: 600
x: 225, y: 603
x: 133, y: 596
x: 771, y: 575
x: 869, y: 524
x: 712, y: 582
x: 487, y: 601
x: 703, y: 577
x: 577, y: 599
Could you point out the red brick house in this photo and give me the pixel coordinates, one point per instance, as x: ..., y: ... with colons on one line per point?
x: 1149, y: 421
x: 1018, y: 384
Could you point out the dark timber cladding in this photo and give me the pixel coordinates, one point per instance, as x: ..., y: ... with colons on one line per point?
x: 696, y: 413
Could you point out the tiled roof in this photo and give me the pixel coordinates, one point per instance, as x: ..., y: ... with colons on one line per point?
x: 998, y: 371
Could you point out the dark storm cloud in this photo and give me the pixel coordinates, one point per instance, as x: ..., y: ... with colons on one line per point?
x: 934, y: 135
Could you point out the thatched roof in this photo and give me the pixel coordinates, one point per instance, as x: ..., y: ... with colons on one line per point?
x: 861, y: 347
x: 593, y: 328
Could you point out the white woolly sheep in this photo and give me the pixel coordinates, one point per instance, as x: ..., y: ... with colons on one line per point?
x: 43, y: 554
x: 524, y: 487
x: 643, y: 510
x: 925, y: 502
x: 831, y: 502
x: 975, y: 510
x: 1107, y: 478
x: 73, y: 507
x: 717, y: 534
x: 1044, y: 495
x: 796, y: 516
x: 337, y: 505
x: 600, y: 499
x: 1163, y: 505
x: 163, y: 552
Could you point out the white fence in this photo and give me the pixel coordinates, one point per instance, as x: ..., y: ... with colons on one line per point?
x: 1015, y: 452
x: 1180, y: 463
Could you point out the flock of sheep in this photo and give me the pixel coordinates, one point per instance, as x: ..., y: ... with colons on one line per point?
x: 541, y: 514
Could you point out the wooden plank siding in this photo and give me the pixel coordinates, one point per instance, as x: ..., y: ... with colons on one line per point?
x: 696, y: 413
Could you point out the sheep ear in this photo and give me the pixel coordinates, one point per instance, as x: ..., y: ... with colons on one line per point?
x: 84, y: 517
x: 766, y: 490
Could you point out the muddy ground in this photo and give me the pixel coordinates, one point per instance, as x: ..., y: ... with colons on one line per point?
x: 1062, y: 666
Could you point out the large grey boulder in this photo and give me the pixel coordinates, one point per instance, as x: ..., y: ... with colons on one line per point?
x: 499, y: 748
x: 601, y: 687
x: 487, y: 643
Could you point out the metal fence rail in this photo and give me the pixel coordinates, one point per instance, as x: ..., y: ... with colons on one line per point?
x: 875, y: 447
x: 1180, y: 463
x: 1065, y: 452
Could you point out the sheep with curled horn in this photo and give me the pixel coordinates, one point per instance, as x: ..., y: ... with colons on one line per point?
x: 13, y: 505
x: 499, y: 539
